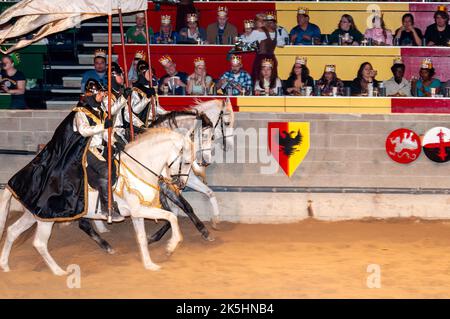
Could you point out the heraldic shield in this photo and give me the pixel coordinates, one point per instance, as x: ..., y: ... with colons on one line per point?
x: 289, y: 143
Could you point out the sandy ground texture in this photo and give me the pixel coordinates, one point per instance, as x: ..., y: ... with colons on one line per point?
x: 309, y: 259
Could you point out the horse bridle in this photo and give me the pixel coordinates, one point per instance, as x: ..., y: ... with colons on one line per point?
x: 222, y: 128
x: 176, y: 178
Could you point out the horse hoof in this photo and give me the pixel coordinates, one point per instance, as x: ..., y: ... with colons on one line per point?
x: 208, y: 237
x: 110, y: 251
x: 171, y: 248
x: 153, y: 267
x: 215, y: 223
x: 5, y: 268
x: 60, y: 272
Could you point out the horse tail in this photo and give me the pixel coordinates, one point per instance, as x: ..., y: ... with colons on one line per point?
x: 5, y: 203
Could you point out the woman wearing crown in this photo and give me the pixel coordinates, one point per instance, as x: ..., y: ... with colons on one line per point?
x: 268, y: 82
x: 423, y: 86
x: 329, y: 83
x: 299, y: 77
x: 192, y: 33
x: 199, y: 83
x: 13, y: 81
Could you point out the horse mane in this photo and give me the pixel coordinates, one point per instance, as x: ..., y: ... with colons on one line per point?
x: 151, y: 133
x: 206, y: 122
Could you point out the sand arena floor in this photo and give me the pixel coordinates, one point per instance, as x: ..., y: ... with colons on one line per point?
x: 309, y: 259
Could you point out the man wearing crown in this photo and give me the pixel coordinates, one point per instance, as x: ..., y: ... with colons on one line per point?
x: 438, y: 33
x: 281, y: 34
x: 305, y: 31
x: 237, y: 79
x: 99, y: 72
x: 166, y: 35
x: 173, y: 82
x: 398, y: 85
x: 136, y: 33
x: 221, y: 32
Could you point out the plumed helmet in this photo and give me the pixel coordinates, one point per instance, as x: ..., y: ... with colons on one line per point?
x: 93, y: 87
x: 142, y: 67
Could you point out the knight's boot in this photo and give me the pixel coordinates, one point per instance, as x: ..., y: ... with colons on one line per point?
x: 115, y: 214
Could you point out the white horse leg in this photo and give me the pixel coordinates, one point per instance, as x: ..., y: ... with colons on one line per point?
x: 196, y: 184
x: 5, y: 203
x: 100, y: 226
x: 141, y: 237
x: 44, y: 230
x: 14, y: 231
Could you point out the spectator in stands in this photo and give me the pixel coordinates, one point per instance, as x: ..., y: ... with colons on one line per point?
x: 378, y: 33
x: 268, y: 82
x: 221, y: 32
x: 199, y: 82
x: 238, y: 81
x: 133, y: 74
x: 183, y: 9
x: 267, y: 44
x: 438, y: 33
x: 365, y: 81
x: 304, y: 33
x: 407, y: 34
x: 166, y: 35
x: 99, y: 72
x: 426, y: 84
x: 398, y: 85
x: 173, y: 81
x: 13, y: 81
x: 346, y: 33
x: 446, y: 88
x: 248, y: 28
x: 329, y: 83
x: 298, y: 78
x: 136, y: 34
x: 275, y: 30
x: 192, y: 33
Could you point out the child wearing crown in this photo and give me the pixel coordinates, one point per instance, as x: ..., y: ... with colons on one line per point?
x: 221, y: 31
x: 426, y: 84
x: 166, y: 35
x: 438, y: 33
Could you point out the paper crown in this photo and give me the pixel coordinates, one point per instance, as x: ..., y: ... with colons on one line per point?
x: 303, y: 10
x: 267, y: 62
x: 140, y: 55
x: 398, y: 60
x: 140, y: 15
x: 426, y: 64
x: 236, y: 60
x: 100, y: 53
x: 191, y: 17
x: 249, y: 24
x: 199, y: 61
x: 330, y: 68
x: 270, y: 16
x: 442, y: 7
x: 165, y: 19
x: 301, y: 60
x: 222, y: 11
x: 165, y: 60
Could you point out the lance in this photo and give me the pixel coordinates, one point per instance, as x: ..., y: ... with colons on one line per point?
x: 109, y: 117
x: 122, y: 39
x: 150, y: 67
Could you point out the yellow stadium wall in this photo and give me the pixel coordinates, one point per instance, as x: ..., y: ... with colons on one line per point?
x: 327, y: 15
x: 346, y: 59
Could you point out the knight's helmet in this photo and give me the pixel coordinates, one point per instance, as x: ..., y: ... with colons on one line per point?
x: 93, y: 87
x: 142, y: 67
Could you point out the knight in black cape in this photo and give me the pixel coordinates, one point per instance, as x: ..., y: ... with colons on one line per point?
x: 54, y: 185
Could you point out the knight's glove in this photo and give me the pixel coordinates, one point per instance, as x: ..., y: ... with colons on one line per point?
x: 127, y: 92
x: 108, y: 123
x: 150, y: 92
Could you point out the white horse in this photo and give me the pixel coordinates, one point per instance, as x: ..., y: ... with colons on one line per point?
x: 220, y: 112
x: 136, y: 194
